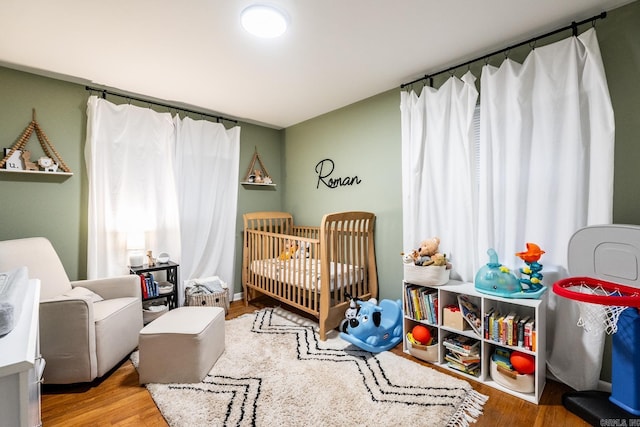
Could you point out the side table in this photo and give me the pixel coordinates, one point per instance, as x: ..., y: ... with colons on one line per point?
x: 171, y: 270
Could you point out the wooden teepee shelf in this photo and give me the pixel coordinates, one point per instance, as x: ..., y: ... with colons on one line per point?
x: 59, y: 167
x: 250, y: 179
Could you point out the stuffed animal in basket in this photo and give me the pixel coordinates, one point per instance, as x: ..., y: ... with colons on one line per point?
x: 371, y: 326
x: 428, y: 248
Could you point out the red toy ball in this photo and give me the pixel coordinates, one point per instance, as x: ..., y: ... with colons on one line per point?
x: 421, y: 333
x: 523, y: 363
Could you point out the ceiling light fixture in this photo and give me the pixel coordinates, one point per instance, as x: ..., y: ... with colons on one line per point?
x: 264, y: 20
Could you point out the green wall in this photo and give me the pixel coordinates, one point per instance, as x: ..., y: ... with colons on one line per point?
x: 364, y: 139
x: 55, y: 206
x: 45, y: 205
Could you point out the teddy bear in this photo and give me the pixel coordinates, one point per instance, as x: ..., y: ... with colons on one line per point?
x: 290, y: 249
x: 428, y: 248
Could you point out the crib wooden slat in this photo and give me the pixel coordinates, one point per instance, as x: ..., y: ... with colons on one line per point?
x: 342, y: 248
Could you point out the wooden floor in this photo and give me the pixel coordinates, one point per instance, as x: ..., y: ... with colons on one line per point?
x: 117, y: 399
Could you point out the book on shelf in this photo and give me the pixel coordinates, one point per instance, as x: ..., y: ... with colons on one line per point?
x: 463, y: 358
x: 487, y: 323
x: 468, y: 368
x: 421, y: 304
x: 471, y: 313
x: 429, y: 300
x: 462, y: 344
x: 148, y: 286
x: 143, y: 286
x: 521, y: 323
x: 529, y: 335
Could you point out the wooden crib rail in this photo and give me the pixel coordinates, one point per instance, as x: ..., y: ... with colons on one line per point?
x: 339, y: 260
x: 347, y: 239
x: 274, y: 222
x: 270, y: 270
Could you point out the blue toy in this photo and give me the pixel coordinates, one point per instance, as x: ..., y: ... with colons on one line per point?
x: 371, y: 326
x: 496, y: 279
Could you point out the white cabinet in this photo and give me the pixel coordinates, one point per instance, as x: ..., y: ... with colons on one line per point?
x: 447, y: 295
x: 21, y: 366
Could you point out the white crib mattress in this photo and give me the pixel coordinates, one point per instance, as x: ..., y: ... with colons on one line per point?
x: 305, y: 273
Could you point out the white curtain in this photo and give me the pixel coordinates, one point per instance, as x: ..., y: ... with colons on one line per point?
x: 207, y: 161
x: 438, y: 170
x: 172, y: 180
x: 130, y: 170
x: 546, y: 170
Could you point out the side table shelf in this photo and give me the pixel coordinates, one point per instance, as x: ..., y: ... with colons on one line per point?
x: 171, y: 271
x: 441, y: 329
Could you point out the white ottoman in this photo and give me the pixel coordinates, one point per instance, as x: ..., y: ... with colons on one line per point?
x: 181, y: 346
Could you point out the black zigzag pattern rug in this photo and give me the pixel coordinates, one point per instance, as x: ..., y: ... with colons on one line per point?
x: 276, y: 372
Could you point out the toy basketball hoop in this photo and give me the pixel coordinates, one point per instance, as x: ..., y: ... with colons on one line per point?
x: 603, y: 307
x: 600, y: 302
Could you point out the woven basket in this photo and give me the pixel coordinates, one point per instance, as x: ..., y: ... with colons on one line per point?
x: 151, y: 315
x: 432, y: 275
x: 216, y: 299
x: 428, y: 353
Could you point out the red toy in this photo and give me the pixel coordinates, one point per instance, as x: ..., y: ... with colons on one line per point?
x: 523, y: 363
x: 421, y: 334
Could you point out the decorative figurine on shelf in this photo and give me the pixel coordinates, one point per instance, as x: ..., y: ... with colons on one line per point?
x: 257, y: 176
x: 150, y: 260
x: 47, y: 164
x: 496, y: 279
x: 533, y: 268
x: 28, y: 164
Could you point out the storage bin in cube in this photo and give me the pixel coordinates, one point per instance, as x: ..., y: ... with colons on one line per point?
x: 452, y: 318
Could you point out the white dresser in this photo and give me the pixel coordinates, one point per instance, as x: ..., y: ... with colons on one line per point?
x: 21, y: 366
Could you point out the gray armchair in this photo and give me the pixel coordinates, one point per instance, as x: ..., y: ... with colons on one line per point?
x: 86, y: 327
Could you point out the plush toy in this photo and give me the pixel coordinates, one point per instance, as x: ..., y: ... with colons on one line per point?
x: 257, y: 176
x: 290, y: 249
x: 427, y: 249
x: 439, y: 259
x: 371, y: 326
x: 303, y: 249
x: 409, y: 258
x: 351, y: 313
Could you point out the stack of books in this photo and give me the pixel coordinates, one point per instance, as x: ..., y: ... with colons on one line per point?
x: 463, y: 354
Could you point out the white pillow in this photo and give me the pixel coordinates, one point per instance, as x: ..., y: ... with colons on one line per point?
x: 79, y: 291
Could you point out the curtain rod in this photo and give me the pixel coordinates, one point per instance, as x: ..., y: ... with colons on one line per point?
x: 573, y: 26
x: 105, y: 92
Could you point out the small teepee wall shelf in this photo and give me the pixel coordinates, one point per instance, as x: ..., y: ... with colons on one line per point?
x: 51, y: 164
x: 257, y: 176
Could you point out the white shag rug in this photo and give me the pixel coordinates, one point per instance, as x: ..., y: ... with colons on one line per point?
x: 276, y: 372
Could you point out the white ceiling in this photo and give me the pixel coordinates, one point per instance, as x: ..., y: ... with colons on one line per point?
x: 195, y: 54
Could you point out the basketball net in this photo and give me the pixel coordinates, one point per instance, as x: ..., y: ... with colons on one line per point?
x: 598, y: 318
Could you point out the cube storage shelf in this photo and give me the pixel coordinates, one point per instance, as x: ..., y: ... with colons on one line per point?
x: 448, y: 295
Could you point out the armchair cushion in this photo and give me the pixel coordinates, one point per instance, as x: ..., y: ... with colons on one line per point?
x: 86, y: 327
x: 79, y: 291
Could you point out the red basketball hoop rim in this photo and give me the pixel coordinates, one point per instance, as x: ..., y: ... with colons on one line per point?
x: 629, y: 296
